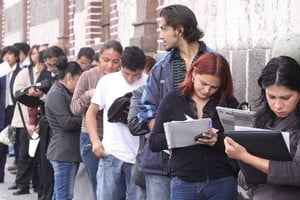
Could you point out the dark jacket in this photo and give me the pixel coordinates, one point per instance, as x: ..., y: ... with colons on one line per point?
x: 159, y: 83
x: 134, y: 126
x: 283, y: 178
x: 65, y: 127
x: 6, y: 117
x: 197, y: 162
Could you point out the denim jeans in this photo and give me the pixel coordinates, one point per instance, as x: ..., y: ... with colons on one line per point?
x: 114, y: 180
x: 89, y: 160
x: 216, y: 189
x: 64, y: 179
x: 157, y: 187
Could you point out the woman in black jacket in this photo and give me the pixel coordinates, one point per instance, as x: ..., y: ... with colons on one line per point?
x: 201, y: 171
x: 63, y: 149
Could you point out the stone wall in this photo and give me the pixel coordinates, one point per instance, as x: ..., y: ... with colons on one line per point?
x: 244, y: 31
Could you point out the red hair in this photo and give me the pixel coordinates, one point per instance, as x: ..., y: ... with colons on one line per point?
x: 210, y: 64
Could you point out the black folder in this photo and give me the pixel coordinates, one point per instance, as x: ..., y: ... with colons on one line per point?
x: 265, y: 144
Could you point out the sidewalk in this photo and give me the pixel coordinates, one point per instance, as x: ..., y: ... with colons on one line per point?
x: 9, y: 179
x: 81, y: 186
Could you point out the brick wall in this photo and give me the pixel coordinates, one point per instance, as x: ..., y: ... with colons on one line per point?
x: 243, y: 31
x: 71, y: 34
x: 2, y: 32
x: 27, y: 14
x: 93, y: 23
x: 114, y: 18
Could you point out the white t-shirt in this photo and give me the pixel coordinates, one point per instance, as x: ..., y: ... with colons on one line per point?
x: 117, y: 140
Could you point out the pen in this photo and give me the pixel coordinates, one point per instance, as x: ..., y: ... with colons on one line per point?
x: 188, y: 117
x: 210, y: 124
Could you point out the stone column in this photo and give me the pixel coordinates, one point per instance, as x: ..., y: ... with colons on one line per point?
x: 145, y: 35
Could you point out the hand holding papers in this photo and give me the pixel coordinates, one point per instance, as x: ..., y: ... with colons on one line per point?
x: 268, y: 144
x: 181, y: 133
x: 231, y: 117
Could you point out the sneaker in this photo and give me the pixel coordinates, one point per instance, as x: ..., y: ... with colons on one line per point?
x: 21, y: 191
x: 14, y: 186
x: 13, y: 167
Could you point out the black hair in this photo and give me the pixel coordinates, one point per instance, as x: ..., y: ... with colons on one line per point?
x: 111, y: 44
x: 41, y: 56
x: 280, y: 71
x: 87, y: 52
x: 96, y: 57
x: 36, y: 46
x: 150, y: 62
x: 53, y: 51
x: 22, y: 46
x: 11, y: 50
x: 4, y: 50
x: 178, y: 16
x: 71, y: 67
x: 61, y: 63
x: 133, y: 58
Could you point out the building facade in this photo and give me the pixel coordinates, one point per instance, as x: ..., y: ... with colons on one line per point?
x: 243, y: 31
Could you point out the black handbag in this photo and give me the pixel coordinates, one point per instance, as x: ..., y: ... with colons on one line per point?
x: 32, y: 101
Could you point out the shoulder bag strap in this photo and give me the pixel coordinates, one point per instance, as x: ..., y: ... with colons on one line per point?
x: 30, y: 71
x: 22, y: 118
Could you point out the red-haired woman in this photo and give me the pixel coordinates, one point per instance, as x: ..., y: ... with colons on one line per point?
x: 200, y: 171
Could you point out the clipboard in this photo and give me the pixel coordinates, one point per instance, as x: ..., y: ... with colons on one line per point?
x: 181, y: 133
x: 231, y: 117
x: 266, y: 144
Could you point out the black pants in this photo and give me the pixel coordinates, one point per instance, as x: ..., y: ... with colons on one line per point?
x: 16, y: 147
x: 45, y: 168
x: 4, y: 148
x: 26, y: 164
x: 3, y: 153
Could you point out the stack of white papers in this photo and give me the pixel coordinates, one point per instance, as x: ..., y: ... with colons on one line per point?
x: 231, y: 117
x: 181, y: 133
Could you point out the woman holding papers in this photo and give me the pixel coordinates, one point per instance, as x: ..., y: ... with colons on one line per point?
x: 200, y: 171
x: 279, y: 110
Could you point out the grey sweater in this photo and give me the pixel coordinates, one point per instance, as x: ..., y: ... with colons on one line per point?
x: 65, y: 127
x: 283, y: 178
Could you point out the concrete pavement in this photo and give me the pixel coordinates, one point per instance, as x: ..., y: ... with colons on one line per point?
x: 81, y: 190
x: 9, y: 179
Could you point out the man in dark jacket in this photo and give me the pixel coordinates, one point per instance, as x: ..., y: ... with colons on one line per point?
x: 7, y: 102
x: 180, y: 36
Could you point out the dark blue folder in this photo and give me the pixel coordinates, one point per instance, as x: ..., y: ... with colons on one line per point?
x: 265, y: 144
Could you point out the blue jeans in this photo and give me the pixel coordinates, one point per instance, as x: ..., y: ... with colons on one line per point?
x: 64, y: 179
x: 157, y: 187
x: 114, y: 180
x: 216, y: 189
x: 89, y: 160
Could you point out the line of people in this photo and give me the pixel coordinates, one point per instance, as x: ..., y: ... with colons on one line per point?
x: 127, y: 159
x: 26, y: 67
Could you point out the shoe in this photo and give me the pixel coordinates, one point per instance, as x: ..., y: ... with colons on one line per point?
x: 13, y: 187
x: 12, y: 167
x: 21, y: 191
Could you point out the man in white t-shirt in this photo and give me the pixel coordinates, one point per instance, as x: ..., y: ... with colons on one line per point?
x: 118, y: 149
